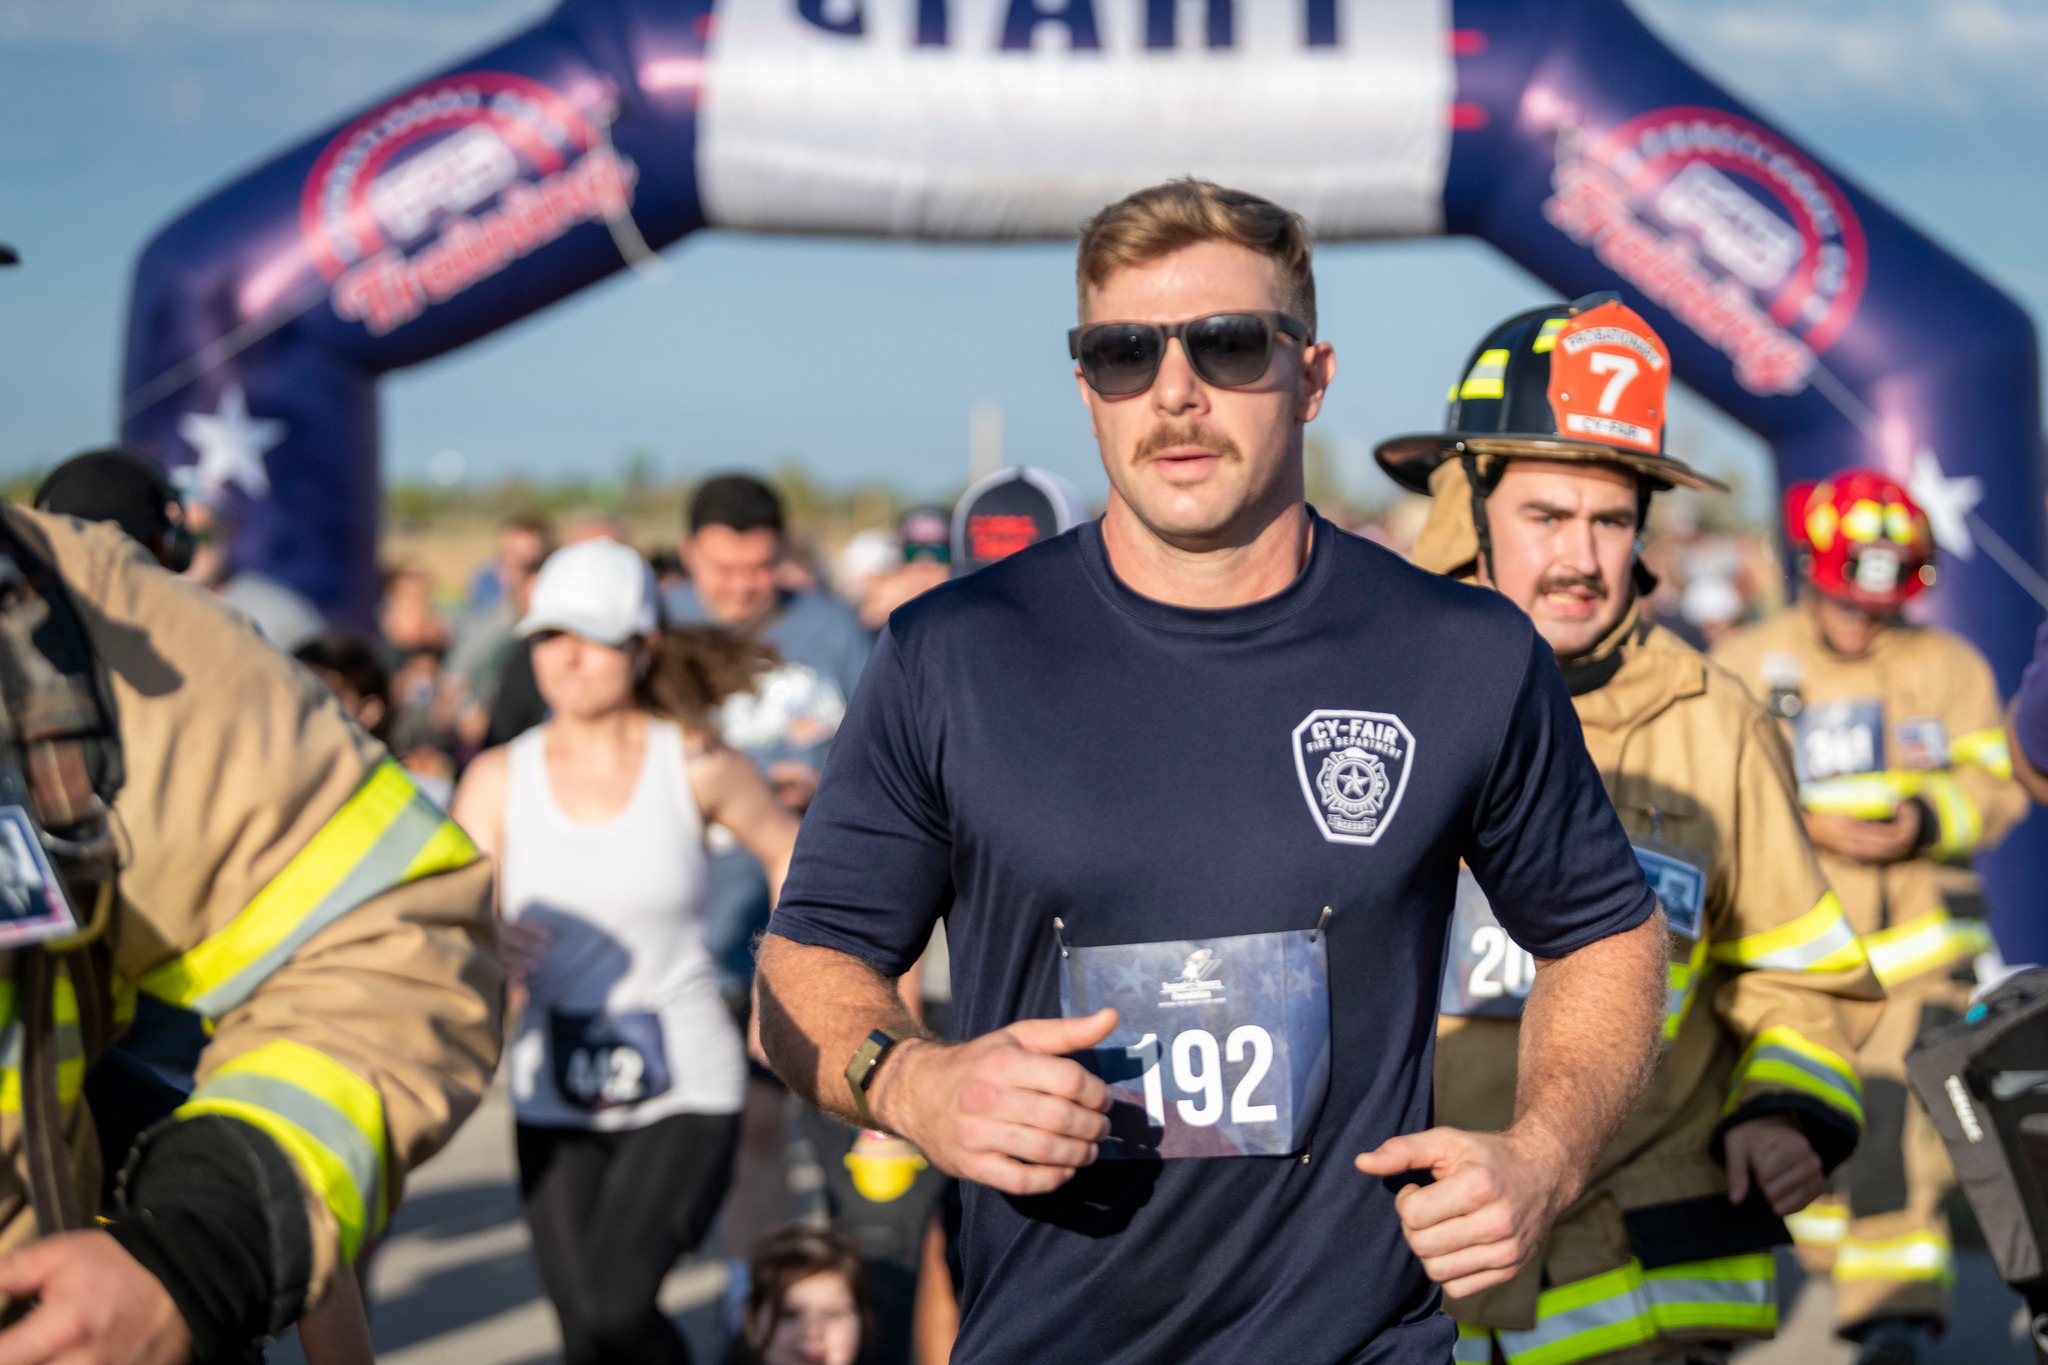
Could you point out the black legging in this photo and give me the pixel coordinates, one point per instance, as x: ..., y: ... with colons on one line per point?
x: 611, y: 1213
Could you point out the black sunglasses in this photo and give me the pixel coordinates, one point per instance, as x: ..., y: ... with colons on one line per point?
x: 1229, y: 350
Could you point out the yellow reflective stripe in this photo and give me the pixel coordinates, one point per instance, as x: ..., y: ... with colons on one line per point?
x: 1917, y: 1256
x: 1583, y: 1319
x: 1473, y: 1347
x: 1866, y: 796
x: 446, y: 849
x: 1957, y: 815
x: 1735, y: 1293
x: 330, y: 1120
x: 1780, y: 1058
x: 1487, y: 376
x: 1546, y: 336
x: 70, y: 1046
x: 1629, y: 1306
x: 1922, y: 944
x: 1818, y: 941
x: 1822, y: 1223
x: 1986, y: 749
x: 387, y: 834
x: 1684, y: 980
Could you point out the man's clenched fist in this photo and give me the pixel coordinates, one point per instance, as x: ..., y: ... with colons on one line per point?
x: 1492, y: 1203
x: 1006, y: 1109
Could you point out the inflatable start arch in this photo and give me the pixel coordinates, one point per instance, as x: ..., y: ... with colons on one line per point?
x: 1562, y: 131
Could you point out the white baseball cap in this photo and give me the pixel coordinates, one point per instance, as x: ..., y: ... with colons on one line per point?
x: 598, y: 589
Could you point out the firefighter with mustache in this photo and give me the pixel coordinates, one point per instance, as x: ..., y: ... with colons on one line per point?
x: 1541, y: 483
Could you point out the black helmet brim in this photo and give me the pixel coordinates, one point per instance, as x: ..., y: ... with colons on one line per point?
x: 1410, y: 460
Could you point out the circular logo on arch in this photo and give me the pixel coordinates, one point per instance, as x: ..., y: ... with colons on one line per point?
x: 445, y: 185
x: 1726, y: 225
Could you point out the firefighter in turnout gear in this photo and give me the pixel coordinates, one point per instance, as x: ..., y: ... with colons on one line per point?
x: 189, y: 822
x: 1904, y: 774
x: 1541, y: 485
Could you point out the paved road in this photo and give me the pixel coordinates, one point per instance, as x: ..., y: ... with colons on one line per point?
x: 454, y: 1284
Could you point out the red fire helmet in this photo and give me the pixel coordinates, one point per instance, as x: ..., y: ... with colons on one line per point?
x: 1860, y: 538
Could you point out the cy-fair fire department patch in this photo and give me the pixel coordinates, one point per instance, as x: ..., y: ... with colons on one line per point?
x: 1353, y: 767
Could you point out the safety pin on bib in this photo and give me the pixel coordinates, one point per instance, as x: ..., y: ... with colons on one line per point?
x: 1322, y: 923
x: 1059, y: 935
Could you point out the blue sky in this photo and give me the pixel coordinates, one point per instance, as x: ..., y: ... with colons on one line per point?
x: 863, y: 359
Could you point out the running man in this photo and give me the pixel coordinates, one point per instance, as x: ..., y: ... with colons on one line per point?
x: 1542, y: 483
x: 1191, y: 786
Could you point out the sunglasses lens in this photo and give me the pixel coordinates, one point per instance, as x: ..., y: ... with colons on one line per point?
x: 1229, y: 349
x: 1120, y: 357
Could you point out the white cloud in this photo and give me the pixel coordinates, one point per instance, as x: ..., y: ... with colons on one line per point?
x: 1958, y: 59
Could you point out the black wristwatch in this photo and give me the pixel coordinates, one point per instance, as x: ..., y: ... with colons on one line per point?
x: 867, y: 1059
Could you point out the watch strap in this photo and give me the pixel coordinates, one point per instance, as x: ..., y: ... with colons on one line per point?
x: 867, y: 1059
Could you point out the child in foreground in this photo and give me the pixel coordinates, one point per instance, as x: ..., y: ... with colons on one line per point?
x: 806, y: 1301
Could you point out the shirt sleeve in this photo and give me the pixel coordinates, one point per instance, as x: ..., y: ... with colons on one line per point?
x: 1547, y: 847
x: 2030, y: 707
x: 873, y: 869
x: 1798, y: 996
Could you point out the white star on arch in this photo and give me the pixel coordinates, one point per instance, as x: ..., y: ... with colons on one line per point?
x: 231, y: 444
x: 1947, y: 502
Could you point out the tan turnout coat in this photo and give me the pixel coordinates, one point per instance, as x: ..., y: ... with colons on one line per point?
x: 1913, y: 672
x: 1765, y: 1009
x: 284, y: 879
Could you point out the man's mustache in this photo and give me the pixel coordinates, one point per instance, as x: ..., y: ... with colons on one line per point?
x: 1564, y: 580
x: 1184, y: 434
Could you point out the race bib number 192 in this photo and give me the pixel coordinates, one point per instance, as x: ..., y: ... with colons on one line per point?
x: 1222, y: 1045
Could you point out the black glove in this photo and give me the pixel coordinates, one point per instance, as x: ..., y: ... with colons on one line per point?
x: 213, y: 1208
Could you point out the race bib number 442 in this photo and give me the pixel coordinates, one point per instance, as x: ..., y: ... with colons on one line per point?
x: 603, y: 1061
x: 1222, y: 1045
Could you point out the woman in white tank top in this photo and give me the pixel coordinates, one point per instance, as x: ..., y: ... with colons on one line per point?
x: 627, y: 1069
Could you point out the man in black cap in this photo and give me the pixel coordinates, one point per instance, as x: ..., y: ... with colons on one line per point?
x: 1009, y: 510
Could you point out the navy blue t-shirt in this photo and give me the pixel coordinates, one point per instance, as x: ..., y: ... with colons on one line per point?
x: 1036, y: 740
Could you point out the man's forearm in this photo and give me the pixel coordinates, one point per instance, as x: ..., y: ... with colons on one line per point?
x: 1589, y: 1042
x: 816, y: 1006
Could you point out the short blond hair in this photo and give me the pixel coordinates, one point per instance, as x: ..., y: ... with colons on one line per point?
x: 1166, y: 218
